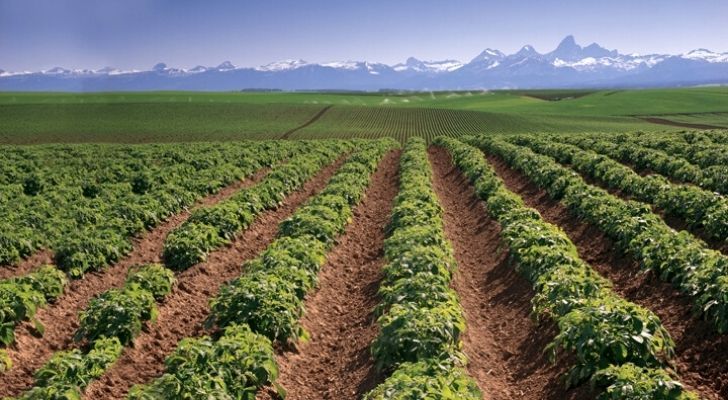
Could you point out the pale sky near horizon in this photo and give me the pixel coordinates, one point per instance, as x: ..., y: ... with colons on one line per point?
x: 41, y: 34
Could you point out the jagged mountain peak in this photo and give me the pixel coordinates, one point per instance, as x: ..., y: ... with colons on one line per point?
x: 526, y: 51
x: 488, y: 55
x: 568, y: 65
x: 226, y: 65
x: 568, y: 50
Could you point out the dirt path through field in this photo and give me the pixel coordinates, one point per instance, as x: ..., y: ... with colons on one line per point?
x: 336, y: 363
x: 61, y: 318
x: 503, y: 344
x: 287, y: 135
x: 700, y: 358
x: 25, y: 266
x: 183, y: 312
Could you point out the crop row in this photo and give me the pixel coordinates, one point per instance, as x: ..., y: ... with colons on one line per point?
x: 266, y: 303
x: 111, y: 321
x: 672, y: 166
x: 694, y: 146
x: 88, y: 215
x: 698, y: 207
x: 211, y: 227
x: 420, y: 317
x: 618, y: 344
x: 679, y: 258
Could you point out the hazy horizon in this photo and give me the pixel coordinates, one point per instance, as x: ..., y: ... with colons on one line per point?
x: 136, y: 34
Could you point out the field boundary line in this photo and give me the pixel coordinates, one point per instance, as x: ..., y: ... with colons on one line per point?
x: 313, y: 119
x: 663, y: 121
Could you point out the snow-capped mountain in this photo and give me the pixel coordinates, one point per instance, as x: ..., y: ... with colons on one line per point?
x: 569, y: 65
x: 415, y: 65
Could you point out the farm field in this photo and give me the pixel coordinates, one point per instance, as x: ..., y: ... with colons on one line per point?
x: 535, y: 265
x: 31, y: 118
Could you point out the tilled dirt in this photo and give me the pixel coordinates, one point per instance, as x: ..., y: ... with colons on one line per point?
x: 700, y: 353
x: 183, y: 311
x: 503, y: 344
x: 672, y: 221
x: 60, y: 319
x: 25, y: 266
x: 336, y: 363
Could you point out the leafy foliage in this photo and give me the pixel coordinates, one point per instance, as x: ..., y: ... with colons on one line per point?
x: 233, y: 367
x: 270, y: 297
x: 630, y: 382
x: 677, y: 257
x: 20, y: 298
x: 85, y: 203
x: 420, y: 318
x: 211, y: 227
x: 65, y: 375
x: 426, y: 380
x: 121, y: 313
x: 597, y: 325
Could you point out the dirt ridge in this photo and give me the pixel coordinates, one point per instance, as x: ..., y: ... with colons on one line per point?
x: 336, y: 363
x: 61, y: 317
x: 41, y: 257
x: 503, y: 344
x: 183, y: 311
x: 700, y: 352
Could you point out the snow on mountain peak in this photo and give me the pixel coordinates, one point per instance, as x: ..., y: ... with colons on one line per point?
x: 489, y: 56
x: 413, y: 64
x: 706, y: 55
x: 283, y: 65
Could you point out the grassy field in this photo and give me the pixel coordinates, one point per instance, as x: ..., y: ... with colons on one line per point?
x: 199, y: 116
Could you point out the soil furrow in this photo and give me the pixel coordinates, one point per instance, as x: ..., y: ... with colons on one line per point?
x: 672, y: 221
x: 336, y: 363
x: 60, y: 319
x: 503, y: 344
x: 27, y: 265
x: 183, y: 311
x: 700, y: 352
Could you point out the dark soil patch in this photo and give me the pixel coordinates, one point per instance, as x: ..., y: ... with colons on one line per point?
x: 336, y: 363
x: 700, y: 353
x: 61, y: 318
x: 663, y: 121
x: 504, y: 345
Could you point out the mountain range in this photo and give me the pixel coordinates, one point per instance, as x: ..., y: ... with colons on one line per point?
x: 568, y: 66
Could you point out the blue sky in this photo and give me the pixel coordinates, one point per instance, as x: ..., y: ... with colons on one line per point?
x: 40, y: 34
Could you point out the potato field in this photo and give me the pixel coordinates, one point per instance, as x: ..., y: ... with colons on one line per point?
x: 465, y: 266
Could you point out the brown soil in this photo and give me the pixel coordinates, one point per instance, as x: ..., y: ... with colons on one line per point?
x: 25, y: 266
x: 674, y: 222
x: 504, y: 345
x: 60, y: 319
x: 336, y: 363
x: 700, y: 353
x: 662, y: 121
x: 183, y: 312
